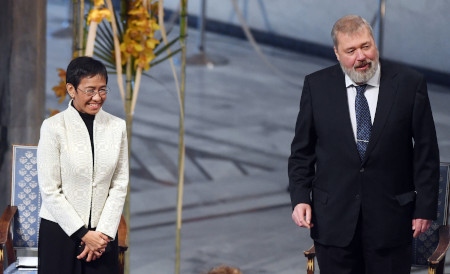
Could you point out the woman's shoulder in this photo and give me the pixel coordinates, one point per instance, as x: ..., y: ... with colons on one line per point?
x: 54, y: 120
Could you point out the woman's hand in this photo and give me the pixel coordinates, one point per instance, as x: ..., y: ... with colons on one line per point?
x: 87, y: 254
x: 95, y: 244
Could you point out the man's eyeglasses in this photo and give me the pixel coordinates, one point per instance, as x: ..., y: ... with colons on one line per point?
x: 91, y: 92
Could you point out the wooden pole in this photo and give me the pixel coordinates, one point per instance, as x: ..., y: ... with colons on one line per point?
x: 78, y: 28
x: 181, y: 149
x: 129, y: 122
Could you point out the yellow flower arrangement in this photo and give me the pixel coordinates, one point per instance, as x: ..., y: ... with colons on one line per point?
x: 60, y: 89
x: 139, y: 38
x: 99, y: 12
x: 137, y: 43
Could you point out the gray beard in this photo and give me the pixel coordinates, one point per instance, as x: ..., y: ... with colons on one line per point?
x: 361, y: 77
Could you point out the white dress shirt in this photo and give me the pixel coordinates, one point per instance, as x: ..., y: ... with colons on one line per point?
x: 371, y: 93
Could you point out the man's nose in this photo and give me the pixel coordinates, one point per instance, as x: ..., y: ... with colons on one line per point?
x: 360, y: 54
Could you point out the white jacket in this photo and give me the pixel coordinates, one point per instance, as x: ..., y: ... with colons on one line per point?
x: 71, y: 185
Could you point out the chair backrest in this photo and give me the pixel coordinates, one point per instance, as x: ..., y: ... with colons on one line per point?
x: 25, y: 195
x: 426, y: 243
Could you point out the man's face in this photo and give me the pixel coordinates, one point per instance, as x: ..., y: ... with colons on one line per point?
x: 358, y: 55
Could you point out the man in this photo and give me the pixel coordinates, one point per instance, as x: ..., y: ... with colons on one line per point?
x: 364, y: 164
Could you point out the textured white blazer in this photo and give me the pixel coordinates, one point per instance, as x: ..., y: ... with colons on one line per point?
x: 72, y: 184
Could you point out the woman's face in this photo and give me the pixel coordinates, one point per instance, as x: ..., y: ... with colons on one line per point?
x: 84, y: 102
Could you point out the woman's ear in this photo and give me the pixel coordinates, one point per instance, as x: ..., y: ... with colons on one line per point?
x: 70, y: 90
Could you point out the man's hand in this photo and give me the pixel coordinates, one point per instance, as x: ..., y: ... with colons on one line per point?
x: 420, y: 226
x: 302, y: 215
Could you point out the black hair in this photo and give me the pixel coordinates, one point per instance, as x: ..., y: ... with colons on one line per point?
x: 82, y: 67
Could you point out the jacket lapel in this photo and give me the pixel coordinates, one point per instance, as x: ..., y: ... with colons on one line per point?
x: 342, y: 103
x: 101, y: 138
x: 340, y: 99
x: 386, y: 97
x: 78, y: 140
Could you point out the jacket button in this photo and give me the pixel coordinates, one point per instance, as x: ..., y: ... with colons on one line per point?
x: 361, y: 170
x: 357, y: 197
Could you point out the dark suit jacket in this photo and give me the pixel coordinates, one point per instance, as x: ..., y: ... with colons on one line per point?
x: 398, y: 179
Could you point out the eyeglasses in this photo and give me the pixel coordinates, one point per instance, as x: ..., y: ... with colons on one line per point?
x: 91, y: 92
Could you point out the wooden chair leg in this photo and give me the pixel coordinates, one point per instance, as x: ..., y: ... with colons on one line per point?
x: 437, y: 268
x: 121, y: 262
x: 310, y: 254
x: 310, y: 266
x: 440, y: 268
x: 432, y: 269
x: 1, y: 260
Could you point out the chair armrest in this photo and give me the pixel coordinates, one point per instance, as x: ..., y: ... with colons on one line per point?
x: 441, y: 249
x: 123, y: 234
x: 5, y: 235
x: 5, y: 222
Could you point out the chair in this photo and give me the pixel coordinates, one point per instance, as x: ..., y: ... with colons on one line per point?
x: 19, y: 224
x: 429, y: 248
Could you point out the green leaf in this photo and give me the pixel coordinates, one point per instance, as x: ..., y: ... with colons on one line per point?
x: 156, y: 62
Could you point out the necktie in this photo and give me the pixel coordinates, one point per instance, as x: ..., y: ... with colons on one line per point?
x: 363, y: 121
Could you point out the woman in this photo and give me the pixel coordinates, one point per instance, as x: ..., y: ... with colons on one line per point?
x: 83, y: 175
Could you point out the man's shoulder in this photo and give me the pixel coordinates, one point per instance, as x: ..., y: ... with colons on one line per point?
x: 392, y: 67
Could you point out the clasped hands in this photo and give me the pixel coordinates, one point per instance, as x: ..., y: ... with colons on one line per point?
x: 94, y: 243
x: 302, y: 217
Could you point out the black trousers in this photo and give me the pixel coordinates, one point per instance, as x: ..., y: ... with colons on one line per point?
x: 58, y: 252
x: 360, y: 258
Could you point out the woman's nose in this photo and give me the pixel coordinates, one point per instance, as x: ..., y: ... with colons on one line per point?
x: 97, y: 96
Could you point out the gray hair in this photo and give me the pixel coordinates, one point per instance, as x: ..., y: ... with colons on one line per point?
x: 349, y: 24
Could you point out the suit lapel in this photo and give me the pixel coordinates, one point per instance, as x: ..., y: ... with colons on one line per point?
x: 386, y: 97
x: 337, y: 94
x: 343, y: 115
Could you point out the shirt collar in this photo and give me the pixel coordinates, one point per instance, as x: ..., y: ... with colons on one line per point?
x: 374, y: 81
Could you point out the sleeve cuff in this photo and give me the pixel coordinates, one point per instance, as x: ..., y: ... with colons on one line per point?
x: 80, y: 232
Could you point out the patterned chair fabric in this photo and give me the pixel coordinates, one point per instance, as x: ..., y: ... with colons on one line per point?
x: 426, y: 243
x: 26, y: 197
